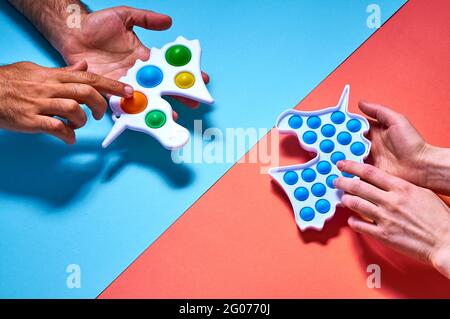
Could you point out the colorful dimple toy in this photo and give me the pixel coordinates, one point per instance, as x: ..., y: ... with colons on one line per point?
x: 171, y: 70
x: 333, y: 134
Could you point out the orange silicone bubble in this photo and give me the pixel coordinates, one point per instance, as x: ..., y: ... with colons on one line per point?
x: 135, y: 104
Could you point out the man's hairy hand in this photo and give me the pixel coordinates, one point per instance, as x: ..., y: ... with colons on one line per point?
x: 32, y: 96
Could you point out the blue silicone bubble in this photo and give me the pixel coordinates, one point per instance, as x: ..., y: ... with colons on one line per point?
x: 310, y: 137
x: 327, y: 146
x: 353, y: 125
x: 344, y: 138
x: 324, y: 167
x: 334, y: 135
x: 295, y: 122
x: 358, y: 148
x: 337, y: 156
x: 323, y: 206
x: 309, y: 175
x: 149, y: 76
x: 307, y: 214
x: 328, y: 130
x: 338, y: 117
x: 290, y: 178
x: 314, y: 122
x: 301, y: 194
x: 318, y: 189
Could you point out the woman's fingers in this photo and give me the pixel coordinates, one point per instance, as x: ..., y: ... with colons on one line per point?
x: 361, y: 189
x: 369, y: 173
x: 379, y: 112
x: 361, y: 206
x: 363, y: 227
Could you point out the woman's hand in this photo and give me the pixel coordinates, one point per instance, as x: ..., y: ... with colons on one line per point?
x: 31, y: 96
x: 411, y: 219
x: 397, y: 147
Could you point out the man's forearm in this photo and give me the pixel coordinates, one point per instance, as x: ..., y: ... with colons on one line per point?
x: 437, y: 169
x: 49, y: 17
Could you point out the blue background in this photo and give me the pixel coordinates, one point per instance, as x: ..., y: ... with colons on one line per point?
x: 100, y: 209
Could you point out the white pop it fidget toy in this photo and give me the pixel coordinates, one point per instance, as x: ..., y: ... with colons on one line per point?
x: 333, y: 134
x: 172, y: 70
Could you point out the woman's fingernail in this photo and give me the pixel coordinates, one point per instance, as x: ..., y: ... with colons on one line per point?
x: 340, y: 165
x: 351, y: 220
x: 129, y: 90
x: 335, y: 182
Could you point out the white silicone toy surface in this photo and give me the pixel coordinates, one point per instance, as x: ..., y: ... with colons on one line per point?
x: 333, y: 134
x: 171, y: 135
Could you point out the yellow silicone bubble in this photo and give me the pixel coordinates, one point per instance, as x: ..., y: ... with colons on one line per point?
x: 185, y: 80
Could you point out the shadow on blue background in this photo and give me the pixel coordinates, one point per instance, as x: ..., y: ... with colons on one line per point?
x: 47, y: 170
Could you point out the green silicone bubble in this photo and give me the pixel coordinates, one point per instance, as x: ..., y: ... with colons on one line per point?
x: 155, y: 119
x: 178, y: 55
